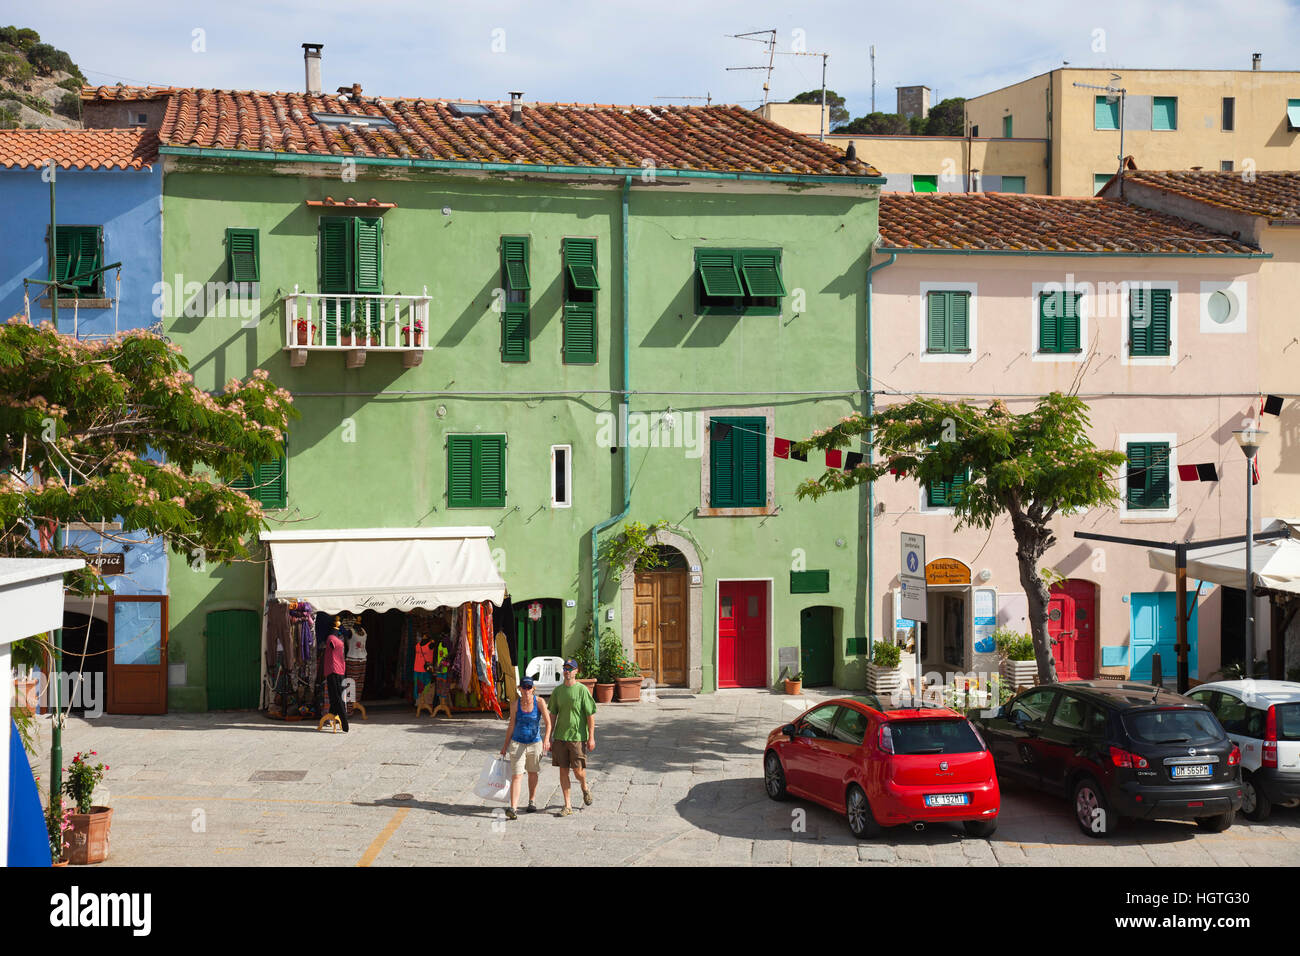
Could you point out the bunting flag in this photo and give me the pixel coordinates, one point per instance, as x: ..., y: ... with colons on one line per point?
x: 852, y: 460
x: 834, y: 458
x: 781, y: 448
x: 1272, y: 405
x: 796, y: 455
x: 1205, y: 472
x: 720, y: 430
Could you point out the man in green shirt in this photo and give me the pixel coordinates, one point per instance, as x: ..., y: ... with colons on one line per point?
x: 574, y: 711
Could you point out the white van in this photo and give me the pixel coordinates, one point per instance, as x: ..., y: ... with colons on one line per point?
x: 1262, y: 717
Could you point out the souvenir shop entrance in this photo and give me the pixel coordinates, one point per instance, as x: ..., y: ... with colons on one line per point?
x: 412, y: 606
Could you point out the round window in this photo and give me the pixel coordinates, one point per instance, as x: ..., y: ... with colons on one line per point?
x: 1221, y: 306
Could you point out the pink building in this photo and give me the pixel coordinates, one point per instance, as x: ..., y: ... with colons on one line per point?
x: 1011, y: 296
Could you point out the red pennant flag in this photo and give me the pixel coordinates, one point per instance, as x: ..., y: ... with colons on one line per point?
x: 1188, y: 473
x: 781, y: 448
x: 834, y: 458
x: 1254, y: 470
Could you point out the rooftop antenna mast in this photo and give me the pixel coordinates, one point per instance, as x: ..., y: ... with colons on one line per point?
x: 708, y: 98
x: 873, y: 77
x: 821, y: 135
x: 771, y: 56
x: 1113, y: 92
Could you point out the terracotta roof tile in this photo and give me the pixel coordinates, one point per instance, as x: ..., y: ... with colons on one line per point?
x: 1023, y: 223
x: 714, y: 138
x: 126, y: 93
x: 1272, y: 194
x: 78, y: 148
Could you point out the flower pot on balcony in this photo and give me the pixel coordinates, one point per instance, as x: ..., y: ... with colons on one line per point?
x: 419, y: 337
x: 89, y: 836
x: 25, y: 697
x: 304, y: 335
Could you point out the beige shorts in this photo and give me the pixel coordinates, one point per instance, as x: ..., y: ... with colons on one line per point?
x: 525, y: 758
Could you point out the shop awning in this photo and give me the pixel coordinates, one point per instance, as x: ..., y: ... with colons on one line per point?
x: 385, y: 568
x: 1277, y: 563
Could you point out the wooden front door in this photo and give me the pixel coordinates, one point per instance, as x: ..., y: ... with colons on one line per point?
x: 137, y: 657
x: 1071, y: 625
x: 742, y: 634
x: 234, y: 640
x: 659, y: 629
x: 817, y: 645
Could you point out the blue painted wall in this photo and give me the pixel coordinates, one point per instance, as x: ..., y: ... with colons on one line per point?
x: 126, y: 203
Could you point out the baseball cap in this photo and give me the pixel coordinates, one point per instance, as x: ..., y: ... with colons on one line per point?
x: 570, y: 665
x: 526, y: 683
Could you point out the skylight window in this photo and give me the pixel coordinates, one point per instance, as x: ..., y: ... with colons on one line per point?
x: 353, y: 119
x: 469, y: 109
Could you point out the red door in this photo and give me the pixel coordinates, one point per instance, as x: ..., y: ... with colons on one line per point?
x: 742, y: 634
x: 1071, y: 624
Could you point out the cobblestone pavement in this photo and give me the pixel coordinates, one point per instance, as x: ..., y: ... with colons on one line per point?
x: 676, y: 781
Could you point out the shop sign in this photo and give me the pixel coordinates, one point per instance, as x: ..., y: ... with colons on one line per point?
x: 535, y: 611
x: 946, y: 571
x: 112, y: 562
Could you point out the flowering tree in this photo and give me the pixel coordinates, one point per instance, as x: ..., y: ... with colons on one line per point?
x: 1029, y: 467
x: 84, y: 424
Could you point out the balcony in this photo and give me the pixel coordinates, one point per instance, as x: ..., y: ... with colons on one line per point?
x: 356, y: 325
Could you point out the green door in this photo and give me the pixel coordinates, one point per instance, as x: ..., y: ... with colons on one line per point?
x: 817, y: 638
x: 540, y: 638
x: 234, y: 671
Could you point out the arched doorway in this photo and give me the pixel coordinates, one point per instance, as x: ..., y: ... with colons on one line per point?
x: 659, y: 629
x: 1072, y: 628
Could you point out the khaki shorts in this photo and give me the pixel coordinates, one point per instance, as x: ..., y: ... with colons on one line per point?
x: 525, y: 758
x: 568, y: 753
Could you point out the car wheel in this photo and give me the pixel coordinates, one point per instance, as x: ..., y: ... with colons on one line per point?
x: 862, y: 823
x: 1254, y: 805
x: 774, y: 777
x: 980, y: 828
x: 1092, y: 810
x: 1217, y: 824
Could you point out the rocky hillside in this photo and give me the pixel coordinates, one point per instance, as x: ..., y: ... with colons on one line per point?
x: 39, y: 85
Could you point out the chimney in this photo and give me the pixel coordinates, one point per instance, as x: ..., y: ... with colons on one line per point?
x: 516, y: 108
x: 1254, y: 60
x: 851, y: 153
x: 311, y: 63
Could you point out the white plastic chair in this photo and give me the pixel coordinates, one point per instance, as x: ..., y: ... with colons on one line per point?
x: 547, y: 674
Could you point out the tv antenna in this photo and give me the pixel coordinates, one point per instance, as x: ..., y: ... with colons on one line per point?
x: 1113, y: 93
x: 708, y: 98
x: 821, y: 135
x: 771, y: 55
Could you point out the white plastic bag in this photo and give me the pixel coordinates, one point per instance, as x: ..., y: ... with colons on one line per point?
x: 494, y: 781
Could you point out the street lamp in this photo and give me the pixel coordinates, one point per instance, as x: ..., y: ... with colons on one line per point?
x: 1248, y: 439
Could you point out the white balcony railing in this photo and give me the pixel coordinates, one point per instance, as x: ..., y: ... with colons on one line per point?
x: 356, y: 324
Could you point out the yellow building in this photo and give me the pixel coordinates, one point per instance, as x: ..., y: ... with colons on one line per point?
x: 1214, y: 120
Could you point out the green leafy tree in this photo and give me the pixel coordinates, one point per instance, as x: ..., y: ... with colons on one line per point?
x: 22, y: 38
x: 948, y: 118
x: 1030, y: 467
x: 835, y: 109
x: 83, y: 423
x: 877, y: 124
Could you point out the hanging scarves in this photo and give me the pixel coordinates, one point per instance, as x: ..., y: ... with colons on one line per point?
x: 486, y: 650
x: 464, y: 643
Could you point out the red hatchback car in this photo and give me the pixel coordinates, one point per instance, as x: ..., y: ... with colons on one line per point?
x: 885, y: 767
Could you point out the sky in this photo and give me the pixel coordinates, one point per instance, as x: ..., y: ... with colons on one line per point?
x: 660, y: 53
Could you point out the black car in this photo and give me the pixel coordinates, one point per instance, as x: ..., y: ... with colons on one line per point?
x: 1118, y: 750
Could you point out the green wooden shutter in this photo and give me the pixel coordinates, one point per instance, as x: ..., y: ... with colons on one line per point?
x: 491, y: 455
x: 762, y: 273
x: 336, y: 254
x: 368, y: 256
x: 718, y: 273
x: 1160, y: 319
x: 460, y: 471
x: 579, y: 333
x: 65, y: 254
x: 752, y: 461
x: 937, y: 493
x: 90, y: 257
x: 1157, y: 495
x: 242, y: 257
x: 957, y: 488
x: 1139, y: 323
x: 273, y: 490
x: 723, y: 490
x: 936, y: 332
x: 580, y: 262
x: 515, y: 333
x: 514, y: 263
x: 958, y: 321
x: 1069, y: 322
x: 1138, y: 472
x: 1006, y: 127
x: 1049, y: 323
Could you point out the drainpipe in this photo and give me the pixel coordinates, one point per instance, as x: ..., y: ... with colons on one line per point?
x: 622, y: 444
x: 870, y: 402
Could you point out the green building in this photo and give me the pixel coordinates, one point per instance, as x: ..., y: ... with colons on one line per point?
x: 545, y: 321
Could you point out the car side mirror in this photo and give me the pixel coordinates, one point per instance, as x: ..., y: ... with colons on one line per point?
x: 788, y: 730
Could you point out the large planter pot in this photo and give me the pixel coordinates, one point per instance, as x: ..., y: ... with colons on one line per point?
x: 1020, y: 673
x: 589, y: 683
x: 89, y: 836
x: 604, y: 693
x: 627, y: 689
x: 25, y: 697
x: 304, y: 337
x: 793, y: 687
x: 406, y: 338
x: 885, y: 682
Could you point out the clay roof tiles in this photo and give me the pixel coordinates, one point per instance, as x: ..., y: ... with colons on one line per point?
x: 78, y: 148
x: 714, y: 138
x: 1011, y: 222
x: 1272, y: 194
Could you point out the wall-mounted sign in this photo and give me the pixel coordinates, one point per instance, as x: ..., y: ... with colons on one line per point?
x: 535, y: 611
x: 946, y: 571
x: 112, y: 562
x: 911, y: 591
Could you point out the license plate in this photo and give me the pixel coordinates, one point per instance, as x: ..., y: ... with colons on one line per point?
x: 1192, y: 770
x: 947, y: 799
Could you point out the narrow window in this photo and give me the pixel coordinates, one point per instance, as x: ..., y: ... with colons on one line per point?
x: 1058, y: 322
x: 1229, y: 111
x: 242, y: 256
x: 561, y: 476
x: 1225, y: 165
x: 1006, y: 127
x: 1148, y: 476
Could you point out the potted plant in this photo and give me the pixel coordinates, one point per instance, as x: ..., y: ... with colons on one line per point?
x: 415, y: 329
x: 90, y: 824
x: 611, y: 653
x: 884, y: 676
x: 305, y: 332
x: 1019, y: 666
x: 794, y: 685
x: 627, y: 678
x: 586, y: 661
x: 58, y: 823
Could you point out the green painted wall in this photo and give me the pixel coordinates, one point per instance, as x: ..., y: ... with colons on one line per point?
x: 365, y: 455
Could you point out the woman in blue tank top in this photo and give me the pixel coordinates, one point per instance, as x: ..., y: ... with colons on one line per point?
x: 526, y: 738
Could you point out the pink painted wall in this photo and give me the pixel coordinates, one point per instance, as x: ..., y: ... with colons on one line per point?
x: 1197, y: 397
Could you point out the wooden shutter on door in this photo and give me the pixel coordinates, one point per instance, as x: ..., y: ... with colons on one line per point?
x: 368, y: 272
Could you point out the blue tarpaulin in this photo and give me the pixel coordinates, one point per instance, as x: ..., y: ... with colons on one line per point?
x: 29, y: 843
